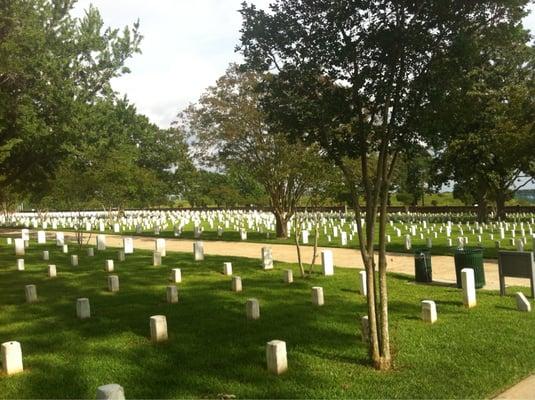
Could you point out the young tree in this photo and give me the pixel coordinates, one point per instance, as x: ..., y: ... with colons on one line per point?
x: 351, y: 78
x: 230, y: 131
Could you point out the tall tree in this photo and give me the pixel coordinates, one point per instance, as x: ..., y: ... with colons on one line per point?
x: 51, y: 67
x: 231, y: 132
x: 351, y: 77
x: 491, y: 142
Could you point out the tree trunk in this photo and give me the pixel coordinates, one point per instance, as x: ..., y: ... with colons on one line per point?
x: 500, y: 206
x: 281, y: 224
x: 482, y: 211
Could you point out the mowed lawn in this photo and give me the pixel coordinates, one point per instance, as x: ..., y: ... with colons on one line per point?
x: 213, y: 350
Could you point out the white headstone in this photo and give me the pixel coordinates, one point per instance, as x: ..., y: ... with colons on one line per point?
x: 83, y: 309
x: 172, y: 294
x: 317, y: 296
x: 252, y: 309
x: 227, y: 268
x: 12, y: 358
x: 236, y: 284
x: 158, y: 328
x: 429, y: 311
x: 327, y: 262
x: 469, y: 287
x: 522, y: 303
x: 267, y: 258
x: 277, y: 362
x: 288, y: 276
x: 111, y: 391
x: 363, y: 285
x: 176, y: 275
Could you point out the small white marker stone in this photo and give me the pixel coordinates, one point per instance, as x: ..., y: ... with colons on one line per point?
x: 12, y: 358
x: 176, y: 275
x: 469, y: 287
x: 172, y: 294
x: 317, y: 296
x: 277, y: 362
x: 227, y: 268
x: 429, y: 311
x: 52, y: 271
x: 83, y: 309
x: 108, y: 267
x: 522, y: 303
x: 111, y: 391
x: 363, y: 285
x: 113, y: 283
x: 288, y: 276
x: 252, y: 309
x: 158, y: 328
x: 31, y: 293
x: 236, y: 284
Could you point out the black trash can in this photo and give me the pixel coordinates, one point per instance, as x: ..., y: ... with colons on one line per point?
x: 470, y: 258
x: 422, y: 265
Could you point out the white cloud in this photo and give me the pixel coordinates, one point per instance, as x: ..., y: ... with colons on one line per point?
x: 187, y: 45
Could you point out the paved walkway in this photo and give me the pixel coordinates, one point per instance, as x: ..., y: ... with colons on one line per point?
x: 525, y: 389
x: 443, y: 266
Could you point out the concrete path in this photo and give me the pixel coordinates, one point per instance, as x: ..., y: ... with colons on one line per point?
x: 443, y: 266
x: 525, y: 389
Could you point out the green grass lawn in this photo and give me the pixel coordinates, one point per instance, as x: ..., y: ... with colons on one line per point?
x: 214, y: 350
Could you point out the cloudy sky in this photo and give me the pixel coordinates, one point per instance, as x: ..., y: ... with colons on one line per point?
x: 187, y: 45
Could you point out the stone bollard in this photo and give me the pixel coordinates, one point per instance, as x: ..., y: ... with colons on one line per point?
x: 198, y: 251
x: 317, y: 296
x: 108, y: 267
x: 158, y: 328
x: 110, y: 392
x: 83, y: 310
x: 172, y: 294
x: 20, y: 264
x: 267, y: 258
x: 469, y: 287
x: 31, y: 293
x: 363, y: 284
x: 46, y: 255
x: 113, y: 283
x: 52, y: 271
x: 288, y: 276
x: 327, y: 262
x: 65, y: 249
x: 120, y: 255
x: 176, y: 275
x: 429, y: 311
x: 522, y: 303
x: 365, y: 328
x: 156, y: 259
x: 252, y: 309
x: 74, y: 260
x: 12, y: 358
x: 227, y: 268
x: 90, y: 252
x: 277, y: 362
x: 236, y: 284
